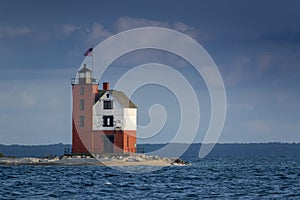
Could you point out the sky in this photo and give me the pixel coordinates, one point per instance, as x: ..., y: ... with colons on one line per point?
x: 255, y: 45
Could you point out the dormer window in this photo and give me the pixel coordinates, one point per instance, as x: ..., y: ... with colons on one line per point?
x: 107, y: 105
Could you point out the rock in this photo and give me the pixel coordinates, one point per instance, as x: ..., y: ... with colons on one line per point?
x: 178, y: 161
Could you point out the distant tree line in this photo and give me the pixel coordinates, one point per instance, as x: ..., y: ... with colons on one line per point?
x: 250, y: 149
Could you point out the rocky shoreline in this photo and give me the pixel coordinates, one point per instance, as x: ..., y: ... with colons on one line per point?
x: 103, y: 160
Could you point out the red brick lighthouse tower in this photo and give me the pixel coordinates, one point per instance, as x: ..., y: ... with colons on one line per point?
x: 84, y: 91
x: 103, y: 121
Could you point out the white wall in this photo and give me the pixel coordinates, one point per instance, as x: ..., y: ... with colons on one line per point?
x: 123, y: 118
x: 130, y: 118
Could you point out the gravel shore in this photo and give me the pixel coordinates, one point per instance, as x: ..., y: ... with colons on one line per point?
x: 103, y: 160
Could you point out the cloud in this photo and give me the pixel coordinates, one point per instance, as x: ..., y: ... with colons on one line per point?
x: 10, y: 32
x: 67, y: 29
x: 97, y: 33
x: 126, y: 23
x: 189, y: 30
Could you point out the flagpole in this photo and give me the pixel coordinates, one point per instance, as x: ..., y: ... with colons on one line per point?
x: 93, y: 61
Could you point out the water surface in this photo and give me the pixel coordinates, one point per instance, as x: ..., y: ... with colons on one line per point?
x: 260, y: 177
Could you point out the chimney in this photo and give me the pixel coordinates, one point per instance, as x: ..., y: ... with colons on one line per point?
x: 105, y: 85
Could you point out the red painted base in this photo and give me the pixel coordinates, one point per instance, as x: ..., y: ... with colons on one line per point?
x: 99, y: 142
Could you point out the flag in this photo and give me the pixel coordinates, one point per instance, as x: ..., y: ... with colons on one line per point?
x: 89, y: 52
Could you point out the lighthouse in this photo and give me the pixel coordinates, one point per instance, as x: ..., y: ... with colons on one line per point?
x: 104, y: 121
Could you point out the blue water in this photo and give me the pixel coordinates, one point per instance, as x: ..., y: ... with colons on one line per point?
x: 214, y: 178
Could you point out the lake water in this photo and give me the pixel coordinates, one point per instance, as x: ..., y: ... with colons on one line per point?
x: 262, y: 177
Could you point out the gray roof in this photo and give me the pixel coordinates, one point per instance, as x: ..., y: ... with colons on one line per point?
x: 120, y: 96
x: 84, y: 69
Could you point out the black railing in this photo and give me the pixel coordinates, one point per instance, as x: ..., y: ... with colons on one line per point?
x: 140, y: 150
x: 68, y: 151
x: 134, y: 150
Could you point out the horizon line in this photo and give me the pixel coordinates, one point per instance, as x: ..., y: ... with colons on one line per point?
x: 222, y: 143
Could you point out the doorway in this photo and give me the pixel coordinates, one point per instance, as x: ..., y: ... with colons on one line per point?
x: 108, y: 143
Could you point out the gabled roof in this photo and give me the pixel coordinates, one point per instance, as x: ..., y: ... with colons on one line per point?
x: 119, y: 96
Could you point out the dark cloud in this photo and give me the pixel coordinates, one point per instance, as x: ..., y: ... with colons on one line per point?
x: 254, y: 43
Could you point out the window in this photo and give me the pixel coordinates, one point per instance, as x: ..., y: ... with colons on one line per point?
x: 82, y: 90
x: 107, y: 105
x: 81, y: 75
x: 81, y: 104
x: 108, y: 121
x: 107, y: 95
x: 81, y: 121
